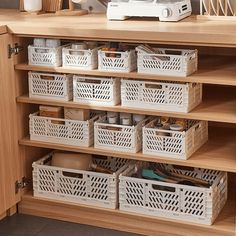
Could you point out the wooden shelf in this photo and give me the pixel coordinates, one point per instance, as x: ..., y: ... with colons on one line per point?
x: 218, y: 153
x: 212, y: 70
x: 212, y: 109
x: 129, y: 222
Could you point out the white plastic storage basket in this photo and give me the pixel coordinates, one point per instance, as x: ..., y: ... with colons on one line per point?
x: 83, y: 59
x: 42, y: 56
x: 165, y: 96
x: 176, y: 201
x: 120, y: 62
x: 50, y: 86
x: 118, y: 137
x: 174, y: 144
x: 174, y: 62
x: 84, y: 187
x: 96, y: 91
x: 62, y: 131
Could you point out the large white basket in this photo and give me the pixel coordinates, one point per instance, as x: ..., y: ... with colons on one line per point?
x: 174, y: 144
x: 62, y: 131
x: 126, y: 62
x: 83, y: 59
x: 180, y: 202
x: 58, y: 87
x: 168, y: 63
x: 42, y: 56
x: 84, y: 187
x: 165, y: 96
x: 96, y: 91
x: 118, y: 137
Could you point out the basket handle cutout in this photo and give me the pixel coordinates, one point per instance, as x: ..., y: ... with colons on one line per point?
x: 187, y: 168
x: 47, y: 77
x: 153, y: 86
x: 72, y: 175
x: 173, y: 52
x: 57, y: 122
x: 164, y: 133
x: 112, y: 128
x: 91, y: 81
x: 78, y: 53
x: 163, y: 188
x: 42, y: 50
x: 111, y: 54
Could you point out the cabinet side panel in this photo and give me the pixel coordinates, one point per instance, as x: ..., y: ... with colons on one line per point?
x: 10, y: 163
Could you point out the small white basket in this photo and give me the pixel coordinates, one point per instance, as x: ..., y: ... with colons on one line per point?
x: 42, y: 56
x: 176, y: 201
x: 164, y: 96
x: 50, y: 86
x: 83, y: 187
x: 83, y: 59
x: 174, y: 144
x: 118, y: 137
x: 168, y: 63
x: 96, y: 91
x: 62, y: 131
x: 125, y: 62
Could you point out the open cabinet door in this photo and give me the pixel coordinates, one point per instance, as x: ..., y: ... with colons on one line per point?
x: 9, y: 148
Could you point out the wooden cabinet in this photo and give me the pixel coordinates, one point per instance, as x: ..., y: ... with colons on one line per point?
x: 9, y: 148
x: 216, y: 71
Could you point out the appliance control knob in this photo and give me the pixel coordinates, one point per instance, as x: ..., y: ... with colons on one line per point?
x: 166, y: 12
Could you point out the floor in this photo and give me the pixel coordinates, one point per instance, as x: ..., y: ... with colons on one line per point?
x: 24, y: 225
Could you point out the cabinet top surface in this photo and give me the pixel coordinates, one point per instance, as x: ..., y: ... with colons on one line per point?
x: 95, y: 26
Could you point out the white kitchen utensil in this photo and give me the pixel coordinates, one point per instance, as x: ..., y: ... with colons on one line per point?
x: 33, y: 5
x: 173, y: 10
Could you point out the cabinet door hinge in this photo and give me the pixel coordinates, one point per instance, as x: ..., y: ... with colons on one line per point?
x: 14, y: 50
x: 21, y: 184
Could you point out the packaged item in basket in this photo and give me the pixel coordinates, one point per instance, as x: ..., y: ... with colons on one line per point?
x: 112, y: 114
x: 113, y: 54
x: 78, y: 46
x: 181, y: 122
x: 113, y: 120
x: 156, y: 172
x: 53, y: 43
x: 76, y: 114
x: 150, y: 50
x: 125, y: 119
x: 165, y: 121
x: 176, y: 127
x: 39, y: 42
x: 50, y: 111
x: 91, y: 44
x: 137, y: 118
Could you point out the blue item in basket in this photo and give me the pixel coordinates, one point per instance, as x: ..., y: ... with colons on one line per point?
x: 150, y: 174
